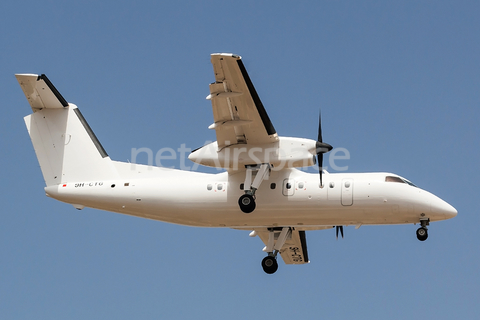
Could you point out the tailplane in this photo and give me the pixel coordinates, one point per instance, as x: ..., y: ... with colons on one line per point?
x: 66, y: 147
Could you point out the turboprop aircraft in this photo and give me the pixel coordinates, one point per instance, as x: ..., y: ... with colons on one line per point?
x: 261, y: 188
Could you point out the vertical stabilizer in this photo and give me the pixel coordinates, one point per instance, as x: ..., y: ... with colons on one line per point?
x: 66, y: 147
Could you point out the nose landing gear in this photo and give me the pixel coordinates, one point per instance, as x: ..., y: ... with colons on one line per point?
x: 422, y: 232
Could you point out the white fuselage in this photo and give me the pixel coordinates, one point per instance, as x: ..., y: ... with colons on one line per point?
x: 278, y: 202
x: 289, y: 197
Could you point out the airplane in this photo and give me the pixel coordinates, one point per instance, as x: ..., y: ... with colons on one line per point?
x: 261, y: 190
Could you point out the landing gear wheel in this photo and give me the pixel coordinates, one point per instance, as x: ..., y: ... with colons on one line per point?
x: 269, y: 264
x: 422, y: 234
x: 247, y: 203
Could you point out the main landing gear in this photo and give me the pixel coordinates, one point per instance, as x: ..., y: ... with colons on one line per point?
x: 247, y: 201
x: 269, y: 263
x: 422, y: 232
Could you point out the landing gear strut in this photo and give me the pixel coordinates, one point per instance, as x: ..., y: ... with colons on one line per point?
x: 422, y: 232
x: 269, y: 263
x: 247, y: 201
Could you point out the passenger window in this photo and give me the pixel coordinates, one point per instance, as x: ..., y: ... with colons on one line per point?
x: 209, y: 187
x: 288, y: 186
x: 332, y: 184
x: 300, y: 185
x: 219, y: 186
x: 241, y: 186
x: 273, y: 185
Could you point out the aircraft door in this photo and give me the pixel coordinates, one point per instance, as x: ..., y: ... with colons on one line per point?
x: 288, y: 187
x: 347, y: 192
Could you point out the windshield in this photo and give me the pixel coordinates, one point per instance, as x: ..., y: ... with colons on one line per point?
x: 399, y: 180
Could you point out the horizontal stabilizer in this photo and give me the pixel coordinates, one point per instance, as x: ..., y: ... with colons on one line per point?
x: 40, y: 92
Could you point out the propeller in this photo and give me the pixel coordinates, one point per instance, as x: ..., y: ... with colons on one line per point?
x: 321, y: 148
x: 341, y: 230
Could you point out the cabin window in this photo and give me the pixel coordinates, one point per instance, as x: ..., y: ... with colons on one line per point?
x: 219, y: 186
x: 332, y: 184
x: 273, y: 185
x: 209, y: 187
x: 347, y: 184
x: 300, y: 185
x: 241, y: 186
x: 288, y: 186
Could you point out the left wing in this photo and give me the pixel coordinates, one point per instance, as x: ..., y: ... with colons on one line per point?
x: 239, y: 115
x: 294, y: 251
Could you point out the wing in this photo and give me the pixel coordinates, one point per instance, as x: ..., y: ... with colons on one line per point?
x: 294, y: 251
x: 40, y: 92
x: 239, y: 115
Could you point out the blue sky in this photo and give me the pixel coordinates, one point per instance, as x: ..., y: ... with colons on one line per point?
x: 398, y: 85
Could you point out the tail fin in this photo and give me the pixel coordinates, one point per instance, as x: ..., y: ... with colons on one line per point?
x: 66, y: 147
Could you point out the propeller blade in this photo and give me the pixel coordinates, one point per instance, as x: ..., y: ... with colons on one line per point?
x: 319, y: 154
x: 321, y: 148
x: 341, y: 230
x: 320, y: 166
x: 320, y: 139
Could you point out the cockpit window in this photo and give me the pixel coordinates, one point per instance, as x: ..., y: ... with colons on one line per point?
x: 409, y: 183
x: 399, y: 180
x: 393, y: 179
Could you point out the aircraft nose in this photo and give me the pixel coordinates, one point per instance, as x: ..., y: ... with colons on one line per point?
x: 442, y: 207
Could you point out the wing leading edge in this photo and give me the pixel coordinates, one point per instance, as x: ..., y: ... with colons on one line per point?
x: 239, y: 115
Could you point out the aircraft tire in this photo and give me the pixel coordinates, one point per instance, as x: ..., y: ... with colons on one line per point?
x: 247, y: 203
x: 422, y: 234
x: 269, y: 264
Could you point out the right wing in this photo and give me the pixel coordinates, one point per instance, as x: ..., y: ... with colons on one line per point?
x: 239, y: 115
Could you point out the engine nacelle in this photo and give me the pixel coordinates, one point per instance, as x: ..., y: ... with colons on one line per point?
x: 285, y: 153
